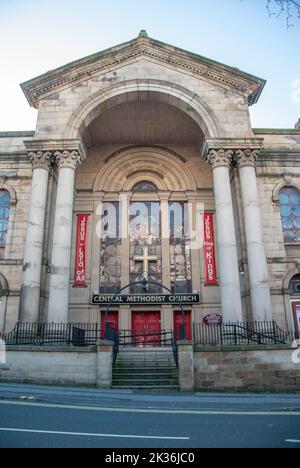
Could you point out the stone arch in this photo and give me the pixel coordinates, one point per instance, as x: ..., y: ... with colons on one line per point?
x: 3, y: 286
x: 280, y: 185
x: 11, y: 190
x: 135, y: 164
x: 140, y: 176
x: 125, y: 91
x: 288, y: 277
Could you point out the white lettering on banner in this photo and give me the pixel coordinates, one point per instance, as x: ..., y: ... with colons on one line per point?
x: 80, y: 264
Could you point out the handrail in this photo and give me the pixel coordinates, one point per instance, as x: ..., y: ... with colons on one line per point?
x: 174, y: 348
x: 241, y: 333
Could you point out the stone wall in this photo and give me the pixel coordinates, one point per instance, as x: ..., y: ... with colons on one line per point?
x: 89, y: 366
x: 268, y: 369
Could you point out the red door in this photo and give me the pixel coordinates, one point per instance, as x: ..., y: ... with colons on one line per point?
x: 112, y: 320
x: 145, y: 327
x: 178, y: 323
x: 296, y: 311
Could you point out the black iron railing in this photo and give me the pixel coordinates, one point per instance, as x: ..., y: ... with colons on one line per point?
x: 142, y: 338
x: 174, y: 348
x: 112, y: 335
x: 241, y: 333
x: 53, y: 334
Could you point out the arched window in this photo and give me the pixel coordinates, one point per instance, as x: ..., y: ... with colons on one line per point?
x: 289, y: 201
x: 4, y: 215
x: 145, y: 186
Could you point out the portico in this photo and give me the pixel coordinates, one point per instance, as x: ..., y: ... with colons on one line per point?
x: 154, y: 149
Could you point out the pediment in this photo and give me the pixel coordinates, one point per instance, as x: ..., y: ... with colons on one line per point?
x: 148, y: 49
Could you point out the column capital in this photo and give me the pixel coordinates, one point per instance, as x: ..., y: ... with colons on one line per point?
x: 164, y: 195
x: 218, y: 157
x: 66, y: 153
x: 246, y: 157
x: 222, y: 151
x: 68, y: 158
x: 40, y: 159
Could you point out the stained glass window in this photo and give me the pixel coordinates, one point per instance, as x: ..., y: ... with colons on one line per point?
x: 145, y: 186
x: 4, y: 215
x: 144, y: 230
x: 110, y: 249
x: 289, y: 198
x: 180, y: 249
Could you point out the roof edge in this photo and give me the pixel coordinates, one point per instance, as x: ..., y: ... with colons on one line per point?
x: 37, y: 86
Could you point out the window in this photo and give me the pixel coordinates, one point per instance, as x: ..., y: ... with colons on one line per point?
x: 4, y: 215
x: 144, y: 186
x: 180, y: 249
x: 289, y: 200
x: 295, y: 285
x: 110, y: 249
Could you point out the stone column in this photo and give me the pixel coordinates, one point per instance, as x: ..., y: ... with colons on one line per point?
x: 104, y: 361
x: 165, y: 233
x: 220, y: 160
x: 257, y: 264
x: 124, y: 213
x: 186, y: 371
x: 67, y: 162
x: 33, y: 249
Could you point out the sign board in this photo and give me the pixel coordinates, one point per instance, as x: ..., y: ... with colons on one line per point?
x: 81, y: 244
x: 150, y: 299
x: 213, y: 319
x: 209, y: 250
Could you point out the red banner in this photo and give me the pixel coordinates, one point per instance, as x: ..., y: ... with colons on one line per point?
x: 209, y: 250
x: 80, y: 261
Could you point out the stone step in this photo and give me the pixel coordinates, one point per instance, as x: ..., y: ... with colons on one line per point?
x: 147, y: 363
x: 141, y: 383
x: 145, y: 370
x: 146, y: 375
x: 150, y: 368
x: 147, y: 387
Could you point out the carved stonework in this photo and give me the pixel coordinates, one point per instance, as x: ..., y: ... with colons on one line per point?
x: 40, y: 159
x: 71, y: 159
x: 246, y: 157
x: 288, y: 178
x: 219, y: 157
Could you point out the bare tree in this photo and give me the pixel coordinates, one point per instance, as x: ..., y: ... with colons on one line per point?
x: 290, y: 8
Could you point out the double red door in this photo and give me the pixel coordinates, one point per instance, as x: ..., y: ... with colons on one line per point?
x: 112, y: 320
x: 145, y: 327
x: 187, y: 324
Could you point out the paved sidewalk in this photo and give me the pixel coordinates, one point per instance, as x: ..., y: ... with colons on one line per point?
x: 140, y: 399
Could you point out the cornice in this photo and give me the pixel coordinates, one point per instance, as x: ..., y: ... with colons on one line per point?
x: 233, y: 144
x: 56, y: 145
x: 78, y: 71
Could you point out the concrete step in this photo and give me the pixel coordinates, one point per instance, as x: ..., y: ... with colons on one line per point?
x: 147, y: 387
x: 142, y: 370
x: 149, y: 375
x: 151, y: 368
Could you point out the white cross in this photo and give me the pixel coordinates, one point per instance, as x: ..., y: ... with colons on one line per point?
x: 145, y: 258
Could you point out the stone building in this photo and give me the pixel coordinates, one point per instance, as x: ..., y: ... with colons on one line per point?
x: 135, y: 149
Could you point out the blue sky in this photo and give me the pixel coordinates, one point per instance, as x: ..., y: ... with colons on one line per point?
x: 39, y: 35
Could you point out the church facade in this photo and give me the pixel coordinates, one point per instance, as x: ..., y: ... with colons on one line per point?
x: 144, y: 165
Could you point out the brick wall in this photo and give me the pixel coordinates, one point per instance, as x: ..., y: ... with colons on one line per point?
x: 247, y: 369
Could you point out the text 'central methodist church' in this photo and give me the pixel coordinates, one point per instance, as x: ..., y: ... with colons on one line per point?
x: 144, y: 177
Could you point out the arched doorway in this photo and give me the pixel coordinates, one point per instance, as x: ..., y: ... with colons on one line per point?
x: 294, y: 289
